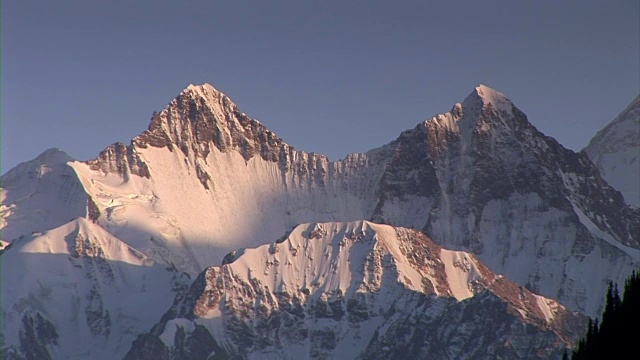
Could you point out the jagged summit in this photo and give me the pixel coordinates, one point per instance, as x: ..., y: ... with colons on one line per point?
x: 484, y: 113
x: 201, y: 116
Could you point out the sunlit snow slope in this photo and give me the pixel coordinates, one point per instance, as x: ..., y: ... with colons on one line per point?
x: 357, y: 290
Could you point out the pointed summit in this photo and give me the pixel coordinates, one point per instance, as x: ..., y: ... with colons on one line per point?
x: 202, y: 88
x: 49, y: 157
x: 483, y: 96
x: 203, y: 91
x: 200, y: 117
x: 53, y: 156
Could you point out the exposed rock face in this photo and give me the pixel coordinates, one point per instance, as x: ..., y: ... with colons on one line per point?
x: 529, y: 208
x: 36, y: 335
x: 357, y: 290
x: 120, y: 159
x: 616, y: 152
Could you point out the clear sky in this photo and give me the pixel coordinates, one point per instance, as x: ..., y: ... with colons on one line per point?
x: 327, y: 76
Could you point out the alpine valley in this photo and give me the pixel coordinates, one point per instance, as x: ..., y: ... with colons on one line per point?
x: 470, y: 236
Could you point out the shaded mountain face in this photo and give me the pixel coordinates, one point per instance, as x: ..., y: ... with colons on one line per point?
x: 357, y: 290
x: 206, y: 179
x: 77, y: 292
x: 40, y: 195
x: 616, y: 152
x: 482, y: 178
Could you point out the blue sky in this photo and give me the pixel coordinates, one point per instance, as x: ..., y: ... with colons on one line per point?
x: 327, y: 76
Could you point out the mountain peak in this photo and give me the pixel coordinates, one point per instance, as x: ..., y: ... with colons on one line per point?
x: 483, y: 95
x: 49, y: 157
x: 205, y: 90
x: 53, y: 155
x: 614, y: 150
x: 201, y: 87
x: 201, y: 116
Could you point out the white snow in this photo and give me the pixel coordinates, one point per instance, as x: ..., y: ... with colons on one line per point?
x: 314, y: 261
x: 497, y: 99
x: 616, y: 152
x: 169, y: 334
x: 248, y: 203
x: 594, y: 229
x: 41, y: 273
x: 333, y: 260
x: 547, y: 306
x: 461, y: 272
x: 39, y: 195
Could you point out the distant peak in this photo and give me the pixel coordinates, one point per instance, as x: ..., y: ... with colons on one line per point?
x: 487, y: 92
x: 483, y: 95
x: 53, y: 156
x: 49, y: 157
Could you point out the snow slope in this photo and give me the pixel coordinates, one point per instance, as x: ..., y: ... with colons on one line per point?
x: 355, y: 290
x: 616, y: 152
x: 39, y: 195
x: 77, y: 292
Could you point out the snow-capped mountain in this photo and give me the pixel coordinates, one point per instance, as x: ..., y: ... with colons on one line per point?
x: 77, y: 292
x: 205, y: 179
x: 357, y: 290
x: 482, y: 178
x: 616, y: 152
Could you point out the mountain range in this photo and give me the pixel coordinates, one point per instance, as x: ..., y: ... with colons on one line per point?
x: 166, y: 247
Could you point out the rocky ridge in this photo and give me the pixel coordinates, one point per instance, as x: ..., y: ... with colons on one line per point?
x: 357, y: 290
